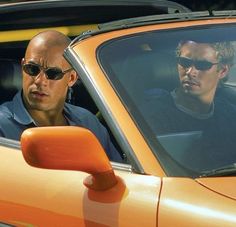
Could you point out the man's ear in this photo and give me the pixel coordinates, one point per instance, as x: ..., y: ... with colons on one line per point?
x: 73, y: 78
x: 223, y: 71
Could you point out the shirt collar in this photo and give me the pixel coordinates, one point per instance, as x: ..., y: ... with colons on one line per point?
x: 190, y: 112
x: 72, y: 116
x: 20, y: 114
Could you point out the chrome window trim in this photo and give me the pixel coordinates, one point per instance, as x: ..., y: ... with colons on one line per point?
x: 72, y: 57
x: 10, y: 143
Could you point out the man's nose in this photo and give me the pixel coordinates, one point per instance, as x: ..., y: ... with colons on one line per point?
x: 41, y: 78
x: 191, y: 71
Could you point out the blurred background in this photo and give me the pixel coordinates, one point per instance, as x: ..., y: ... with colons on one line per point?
x: 198, y: 5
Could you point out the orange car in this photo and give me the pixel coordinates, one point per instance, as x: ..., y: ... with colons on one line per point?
x: 63, y: 177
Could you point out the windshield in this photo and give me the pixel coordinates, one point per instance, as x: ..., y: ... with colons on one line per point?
x: 179, y: 86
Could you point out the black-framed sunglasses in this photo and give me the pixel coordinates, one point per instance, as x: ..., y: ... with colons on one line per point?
x: 198, y: 64
x: 53, y: 73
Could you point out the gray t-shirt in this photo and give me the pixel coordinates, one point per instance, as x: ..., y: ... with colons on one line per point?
x: 217, y: 145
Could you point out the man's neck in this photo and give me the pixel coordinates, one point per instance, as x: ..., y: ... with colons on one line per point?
x: 48, y: 118
x: 201, y: 105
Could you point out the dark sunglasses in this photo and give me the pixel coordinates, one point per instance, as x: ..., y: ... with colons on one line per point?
x: 198, y: 64
x: 52, y: 73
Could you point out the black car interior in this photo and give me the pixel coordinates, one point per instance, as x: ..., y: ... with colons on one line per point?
x: 10, y: 80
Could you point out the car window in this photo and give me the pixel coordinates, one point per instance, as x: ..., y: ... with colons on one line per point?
x: 143, y: 68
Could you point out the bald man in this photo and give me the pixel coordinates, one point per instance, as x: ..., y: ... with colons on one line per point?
x: 47, y: 76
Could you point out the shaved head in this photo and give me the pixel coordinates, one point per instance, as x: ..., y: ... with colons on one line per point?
x: 43, y: 96
x: 49, y: 39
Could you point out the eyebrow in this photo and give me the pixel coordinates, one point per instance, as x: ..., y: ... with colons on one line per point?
x: 198, y: 59
x: 36, y: 63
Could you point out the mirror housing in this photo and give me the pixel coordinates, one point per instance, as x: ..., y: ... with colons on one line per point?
x: 69, y: 148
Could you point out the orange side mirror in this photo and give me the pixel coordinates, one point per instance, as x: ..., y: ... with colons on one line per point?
x: 69, y: 148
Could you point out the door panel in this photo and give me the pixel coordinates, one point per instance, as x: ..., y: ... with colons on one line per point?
x: 33, y: 196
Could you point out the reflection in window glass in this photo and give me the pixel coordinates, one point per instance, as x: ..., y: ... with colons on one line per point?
x: 180, y: 88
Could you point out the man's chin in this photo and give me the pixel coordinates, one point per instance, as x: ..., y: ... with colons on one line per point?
x: 38, y: 106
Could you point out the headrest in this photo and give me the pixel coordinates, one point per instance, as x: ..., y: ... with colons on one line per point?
x: 165, y: 71
x: 146, y: 71
x: 10, y: 79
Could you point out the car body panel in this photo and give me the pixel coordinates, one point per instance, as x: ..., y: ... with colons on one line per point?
x: 145, y: 195
x: 223, y: 185
x: 191, y: 204
x: 63, y: 198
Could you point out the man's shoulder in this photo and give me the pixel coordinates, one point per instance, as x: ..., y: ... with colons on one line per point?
x: 78, y: 114
x: 222, y: 104
x: 158, y: 101
x: 6, y: 110
x: 8, y: 106
x: 157, y: 94
x: 6, y: 121
x: 225, y: 112
x: 72, y: 109
x: 82, y: 117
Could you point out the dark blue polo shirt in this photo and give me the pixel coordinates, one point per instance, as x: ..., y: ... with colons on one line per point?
x: 14, y: 119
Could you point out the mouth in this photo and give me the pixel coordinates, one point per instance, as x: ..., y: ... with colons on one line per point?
x: 38, y: 94
x: 190, y: 83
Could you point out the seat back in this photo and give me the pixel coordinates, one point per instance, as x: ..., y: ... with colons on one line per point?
x: 10, y: 79
x: 164, y: 71
x: 148, y: 74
